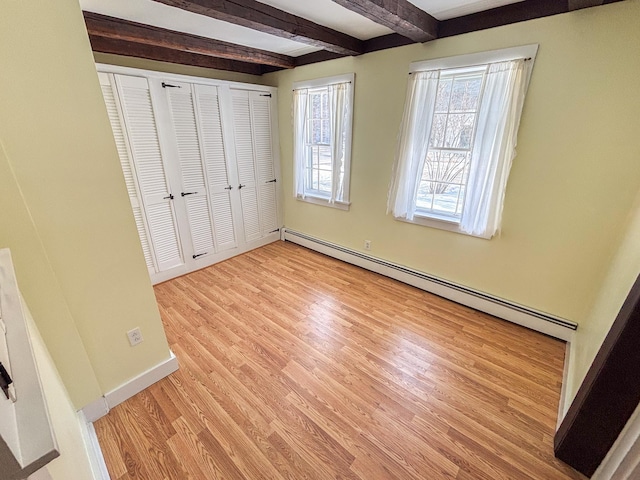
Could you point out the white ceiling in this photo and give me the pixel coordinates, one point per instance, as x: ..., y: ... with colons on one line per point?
x: 323, y: 12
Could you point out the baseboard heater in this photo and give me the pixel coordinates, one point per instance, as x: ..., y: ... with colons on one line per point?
x: 521, y: 315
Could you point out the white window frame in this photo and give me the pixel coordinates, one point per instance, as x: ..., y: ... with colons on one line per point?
x: 312, y: 196
x: 461, y: 62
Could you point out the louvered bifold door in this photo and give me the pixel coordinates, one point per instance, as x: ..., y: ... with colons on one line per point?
x: 245, y: 160
x: 119, y: 134
x: 157, y: 199
x: 194, y: 191
x: 260, y: 104
x: 207, y: 101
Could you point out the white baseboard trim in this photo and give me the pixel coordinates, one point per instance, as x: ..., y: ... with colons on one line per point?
x: 142, y: 381
x: 623, y: 460
x: 96, y: 458
x: 101, y: 406
x: 95, y: 410
x: 563, y: 404
x: 519, y: 314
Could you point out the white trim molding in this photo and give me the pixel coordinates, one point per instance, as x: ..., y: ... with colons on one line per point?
x: 142, y: 381
x: 95, y: 410
x: 564, y: 402
x: 539, y: 321
x: 101, y: 406
x: 92, y: 446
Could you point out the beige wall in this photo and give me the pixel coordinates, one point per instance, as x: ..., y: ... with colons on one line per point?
x: 41, y: 289
x: 77, y: 255
x: 624, y: 269
x: 572, y: 185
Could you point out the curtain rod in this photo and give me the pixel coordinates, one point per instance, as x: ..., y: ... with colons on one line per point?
x: 469, y: 66
x: 321, y: 86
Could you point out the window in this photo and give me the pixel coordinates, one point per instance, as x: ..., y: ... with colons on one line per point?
x: 458, y: 140
x: 322, y: 140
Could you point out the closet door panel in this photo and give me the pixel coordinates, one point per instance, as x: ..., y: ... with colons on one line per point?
x: 106, y: 83
x: 165, y: 241
x: 214, y: 154
x: 194, y: 191
x: 140, y: 123
x: 266, y: 179
x: 245, y: 160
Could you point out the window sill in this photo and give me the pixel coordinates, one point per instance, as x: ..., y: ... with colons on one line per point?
x: 441, y: 223
x: 324, y: 202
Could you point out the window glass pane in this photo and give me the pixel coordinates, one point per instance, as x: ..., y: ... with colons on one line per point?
x: 459, y: 130
x: 316, y: 131
x: 325, y: 105
x: 443, y: 95
x: 452, y: 167
x: 326, y: 133
x: 316, y: 111
x: 465, y: 93
x: 442, y: 185
x: 438, y: 130
x: 445, y: 198
x: 325, y: 181
x: 425, y: 196
x: 324, y: 157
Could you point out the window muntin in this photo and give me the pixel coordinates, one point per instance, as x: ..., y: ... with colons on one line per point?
x: 443, y: 183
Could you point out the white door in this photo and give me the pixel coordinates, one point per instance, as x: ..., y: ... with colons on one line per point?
x: 255, y: 162
x: 217, y: 172
x: 260, y: 104
x: 140, y: 126
x: 115, y: 118
x: 188, y: 157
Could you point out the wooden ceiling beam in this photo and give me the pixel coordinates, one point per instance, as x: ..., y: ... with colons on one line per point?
x: 513, y: 13
x: 400, y: 16
x: 267, y: 19
x: 578, y: 4
x: 138, y: 33
x: 162, y: 54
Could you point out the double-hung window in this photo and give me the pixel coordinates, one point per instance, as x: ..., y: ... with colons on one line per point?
x: 322, y: 139
x: 458, y: 139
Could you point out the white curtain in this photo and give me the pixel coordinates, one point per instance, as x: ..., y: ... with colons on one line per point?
x: 494, y: 147
x: 415, y: 131
x: 299, y: 140
x: 338, y: 108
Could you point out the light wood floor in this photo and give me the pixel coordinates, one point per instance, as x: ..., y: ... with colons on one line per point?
x: 294, y: 365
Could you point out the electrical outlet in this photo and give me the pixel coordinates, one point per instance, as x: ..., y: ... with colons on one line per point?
x: 367, y: 244
x: 135, y: 336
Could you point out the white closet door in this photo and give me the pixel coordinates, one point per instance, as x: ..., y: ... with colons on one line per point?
x: 266, y: 177
x: 194, y: 191
x: 255, y: 162
x: 245, y: 159
x: 140, y: 123
x: 113, y: 111
x: 214, y: 154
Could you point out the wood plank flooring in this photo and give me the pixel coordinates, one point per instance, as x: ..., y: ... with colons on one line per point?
x: 294, y: 365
